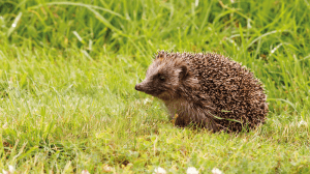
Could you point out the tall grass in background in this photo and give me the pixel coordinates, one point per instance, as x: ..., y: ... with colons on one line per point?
x: 68, y: 70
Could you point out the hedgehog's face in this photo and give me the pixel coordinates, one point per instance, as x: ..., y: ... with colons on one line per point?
x: 163, y: 79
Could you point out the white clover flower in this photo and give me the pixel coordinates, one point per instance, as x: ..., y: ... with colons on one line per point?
x: 216, y: 171
x: 147, y: 100
x: 11, y: 169
x: 5, y: 125
x: 302, y: 123
x: 159, y: 170
x: 85, y: 172
x: 5, y: 172
x: 192, y: 170
x: 107, y: 168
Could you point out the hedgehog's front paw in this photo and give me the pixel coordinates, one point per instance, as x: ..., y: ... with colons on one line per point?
x: 173, y: 121
x: 181, y: 120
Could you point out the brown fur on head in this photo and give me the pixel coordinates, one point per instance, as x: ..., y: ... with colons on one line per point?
x: 164, y: 77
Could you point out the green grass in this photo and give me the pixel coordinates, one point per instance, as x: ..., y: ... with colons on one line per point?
x: 68, y: 70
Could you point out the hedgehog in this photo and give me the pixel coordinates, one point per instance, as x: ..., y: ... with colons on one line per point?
x: 206, y: 90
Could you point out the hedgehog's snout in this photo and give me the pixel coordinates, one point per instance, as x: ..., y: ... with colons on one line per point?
x: 138, y: 87
x: 143, y: 86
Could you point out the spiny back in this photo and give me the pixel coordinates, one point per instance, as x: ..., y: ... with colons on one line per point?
x: 216, y: 89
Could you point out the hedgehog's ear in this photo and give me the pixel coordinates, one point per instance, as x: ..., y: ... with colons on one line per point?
x: 184, y: 72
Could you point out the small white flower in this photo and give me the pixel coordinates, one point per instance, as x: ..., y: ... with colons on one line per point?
x: 107, y: 168
x: 147, y: 100
x: 5, y: 125
x: 302, y: 123
x: 11, y: 169
x: 216, y: 171
x: 13, y: 25
x: 85, y: 172
x: 159, y: 170
x: 5, y: 172
x: 192, y: 170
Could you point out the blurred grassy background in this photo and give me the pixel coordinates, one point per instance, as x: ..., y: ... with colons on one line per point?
x: 68, y: 70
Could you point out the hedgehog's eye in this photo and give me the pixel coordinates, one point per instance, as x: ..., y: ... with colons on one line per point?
x: 161, y: 77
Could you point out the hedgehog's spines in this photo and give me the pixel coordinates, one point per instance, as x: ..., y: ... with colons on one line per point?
x: 213, y: 83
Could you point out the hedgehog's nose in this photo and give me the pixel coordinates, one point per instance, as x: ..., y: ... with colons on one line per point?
x: 138, y: 87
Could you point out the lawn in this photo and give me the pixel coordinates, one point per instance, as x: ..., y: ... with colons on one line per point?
x: 68, y: 71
